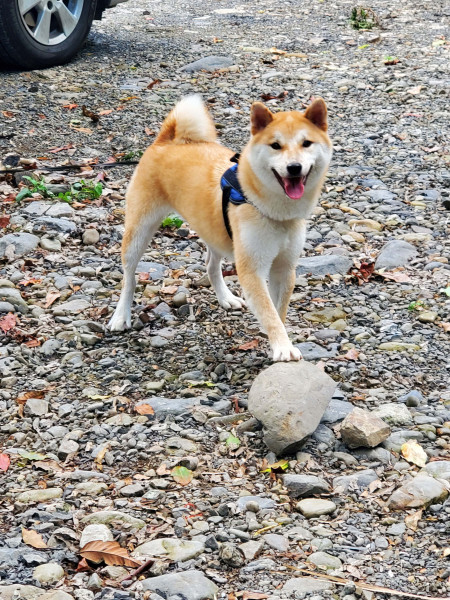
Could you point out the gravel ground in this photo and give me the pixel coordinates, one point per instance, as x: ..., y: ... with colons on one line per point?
x: 371, y: 308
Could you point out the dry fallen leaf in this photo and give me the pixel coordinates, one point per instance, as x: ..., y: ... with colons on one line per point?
x: 8, y: 322
x: 33, y: 538
x: 413, y: 452
x: 109, y: 552
x: 182, y: 475
x: 411, y: 521
x: 50, y: 298
x: 144, y: 409
x: 5, y: 461
x: 249, y: 345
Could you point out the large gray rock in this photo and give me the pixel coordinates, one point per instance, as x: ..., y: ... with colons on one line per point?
x: 362, y: 428
x: 18, y: 591
x: 209, y: 63
x: 305, y: 485
x: 290, y: 399
x: 417, y: 493
x: 170, y: 406
x: 23, y: 243
x: 393, y: 413
x: 439, y: 469
x: 54, y: 224
x: 327, y: 264
x: 191, y: 585
x: 396, y: 253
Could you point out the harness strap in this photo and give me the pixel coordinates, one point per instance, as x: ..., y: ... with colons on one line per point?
x: 231, y: 192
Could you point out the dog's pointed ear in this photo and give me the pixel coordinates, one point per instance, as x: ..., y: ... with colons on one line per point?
x: 317, y: 114
x: 260, y: 117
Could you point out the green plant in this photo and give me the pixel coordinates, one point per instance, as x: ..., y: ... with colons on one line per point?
x: 172, y: 221
x: 81, y: 190
x: 132, y: 154
x: 416, y: 305
x: 39, y: 186
x: 363, y: 18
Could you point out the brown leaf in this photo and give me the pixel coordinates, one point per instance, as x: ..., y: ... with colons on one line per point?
x: 249, y: 345
x: 8, y: 322
x: 48, y: 465
x: 412, y: 521
x: 50, y: 298
x: 169, y: 289
x: 8, y: 114
x: 445, y: 327
x: 397, y: 276
x: 153, y: 83
x: 144, y: 409
x: 109, y: 552
x: 5, y: 461
x: 31, y: 394
x: 83, y: 566
x: 32, y: 343
x: 352, y: 354
x: 105, y: 112
x: 60, y: 148
x: 162, y: 470
x: 4, y: 221
x: 70, y: 106
x: 149, y: 131
x: 253, y: 596
x: 83, y: 130
x: 33, y: 538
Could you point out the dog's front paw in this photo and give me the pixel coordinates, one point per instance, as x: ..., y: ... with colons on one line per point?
x: 285, y: 352
x: 230, y: 301
x: 119, y: 321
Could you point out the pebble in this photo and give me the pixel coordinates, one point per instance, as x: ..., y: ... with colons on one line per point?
x: 323, y: 560
x: 90, y: 237
x: 48, y: 573
x: 315, y: 507
x: 362, y: 428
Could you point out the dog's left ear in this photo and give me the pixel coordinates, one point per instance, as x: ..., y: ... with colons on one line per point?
x: 317, y: 114
x: 260, y: 117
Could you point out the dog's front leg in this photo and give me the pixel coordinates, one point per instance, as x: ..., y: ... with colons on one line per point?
x: 252, y: 276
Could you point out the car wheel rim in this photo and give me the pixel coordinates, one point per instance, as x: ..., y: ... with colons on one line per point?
x: 50, y: 22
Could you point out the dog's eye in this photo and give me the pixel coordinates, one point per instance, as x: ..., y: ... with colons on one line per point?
x: 306, y: 144
x: 275, y: 146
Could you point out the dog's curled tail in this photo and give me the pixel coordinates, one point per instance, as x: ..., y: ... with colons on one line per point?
x: 189, y: 122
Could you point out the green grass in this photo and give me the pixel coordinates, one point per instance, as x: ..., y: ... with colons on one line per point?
x: 172, y: 221
x: 363, y: 18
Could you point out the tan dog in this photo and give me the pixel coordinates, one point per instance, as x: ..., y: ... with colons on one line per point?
x: 281, y: 172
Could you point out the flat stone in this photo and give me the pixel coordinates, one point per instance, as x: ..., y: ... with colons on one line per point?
x: 312, y: 351
x: 190, y: 585
x: 380, y: 195
x: 61, y: 225
x: 40, y: 495
x: 263, y: 503
x: 48, y: 573
x: 110, y: 516
x: 155, y: 270
x: 398, y: 347
x: 420, y: 492
x: 134, y: 489
x: 394, y: 414
x: 50, y: 243
x: 14, y: 297
x: 396, y: 253
x: 357, y: 481
x: 178, y: 446
x: 336, y: 411
x: 95, y: 532
x: 60, y: 209
x: 251, y: 549
x: 326, y: 264
x: 23, y: 243
x: 71, y: 307
x: 290, y: 399
x: 325, y: 315
x: 361, y: 428
x: 91, y: 488
x: 36, y: 407
x: 396, y: 440
x: 324, y: 560
x: 305, y: 485
x: 277, y: 542
x: 209, y: 63
x: 315, y: 507
x: 305, y: 585
x: 36, y: 208
x: 20, y: 592
x: 427, y: 316
x: 176, y: 549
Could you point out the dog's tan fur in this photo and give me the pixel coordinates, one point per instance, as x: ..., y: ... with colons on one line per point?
x: 181, y: 172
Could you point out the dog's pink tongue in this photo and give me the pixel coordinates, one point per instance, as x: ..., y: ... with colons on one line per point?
x: 294, y: 187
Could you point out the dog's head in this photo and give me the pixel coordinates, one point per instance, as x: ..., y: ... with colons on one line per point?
x: 289, y: 152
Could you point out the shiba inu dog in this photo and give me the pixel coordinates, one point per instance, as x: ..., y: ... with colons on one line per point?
x: 261, y: 223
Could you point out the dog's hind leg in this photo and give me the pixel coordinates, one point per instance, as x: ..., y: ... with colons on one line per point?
x: 226, y: 299
x: 139, y: 229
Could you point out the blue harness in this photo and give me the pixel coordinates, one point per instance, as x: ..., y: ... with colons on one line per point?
x: 231, y: 192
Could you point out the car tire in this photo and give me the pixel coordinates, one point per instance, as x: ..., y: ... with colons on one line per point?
x: 18, y: 46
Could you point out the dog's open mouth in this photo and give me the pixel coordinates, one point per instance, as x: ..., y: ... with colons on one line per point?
x: 294, y: 187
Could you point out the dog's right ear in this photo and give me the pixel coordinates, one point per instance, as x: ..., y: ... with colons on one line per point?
x: 260, y: 117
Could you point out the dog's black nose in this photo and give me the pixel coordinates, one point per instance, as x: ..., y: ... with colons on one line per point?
x: 294, y: 169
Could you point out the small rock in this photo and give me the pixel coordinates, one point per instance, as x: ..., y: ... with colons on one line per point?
x: 336, y: 411
x: 357, y: 481
x: 134, y: 489
x: 290, y: 399
x: 326, y: 264
x: 175, y: 549
x: 394, y: 414
x: 262, y: 503
x: 110, y: 516
x: 324, y: 560
x: 36, y: 406
x: 305, y: 585
x: 412, y: 398
x: 90, y: 237
x: 67, y: 448
x: 209, y: 63
x: 396, y: 253
x: 427, y: 316
x: 231, y: 555
x: 315, y: 507
x: 95, y: 532
x: 277, y: 542
x: 251, y: 549
x: 362, y: 428
x: 190, y: 585
x: 48, y: 573
x: 23, y: 243
x: 39, y: 495
x: 305, y: 485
